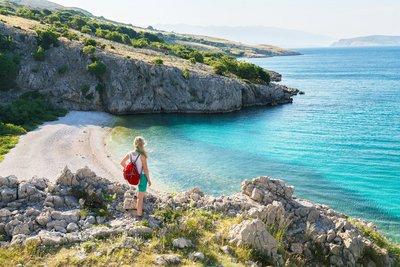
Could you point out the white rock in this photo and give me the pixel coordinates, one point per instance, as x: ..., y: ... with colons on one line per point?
x: 43, y: 218
x: 5, y: 213
x: 198, y: 256
x: 255, y: 234
x: 168, y: 259
x: 257, y: 195
x: 21, y: 229
x: 182, y: 243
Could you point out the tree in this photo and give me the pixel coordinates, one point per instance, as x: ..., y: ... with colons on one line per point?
x: 8, y: 72
x: 46, y: 38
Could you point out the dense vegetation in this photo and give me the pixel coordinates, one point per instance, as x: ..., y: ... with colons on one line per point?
x: 62, y: 21
x: 23, y: 115
x: 8, y: 63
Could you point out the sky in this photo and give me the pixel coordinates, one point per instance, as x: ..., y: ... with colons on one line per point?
x: 337, y: 18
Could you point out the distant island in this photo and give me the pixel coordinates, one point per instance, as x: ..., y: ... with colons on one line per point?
x: 372, y: 40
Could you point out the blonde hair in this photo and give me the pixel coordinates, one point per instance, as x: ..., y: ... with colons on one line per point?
x: 139, y: 144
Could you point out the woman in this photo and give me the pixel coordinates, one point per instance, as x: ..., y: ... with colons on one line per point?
x: 141, y: 163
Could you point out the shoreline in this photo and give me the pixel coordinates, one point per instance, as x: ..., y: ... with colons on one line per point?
x: 75, y: 140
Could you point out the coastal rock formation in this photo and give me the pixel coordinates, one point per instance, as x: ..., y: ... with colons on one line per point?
x: 132, y: 85
x: 270, y: 219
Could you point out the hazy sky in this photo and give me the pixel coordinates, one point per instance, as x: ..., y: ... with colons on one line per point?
x: 339, y: 18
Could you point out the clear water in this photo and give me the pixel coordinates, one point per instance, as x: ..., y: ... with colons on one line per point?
x: 339, y: 144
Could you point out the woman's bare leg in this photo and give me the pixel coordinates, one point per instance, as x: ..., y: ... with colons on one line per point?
x: 140, y: 203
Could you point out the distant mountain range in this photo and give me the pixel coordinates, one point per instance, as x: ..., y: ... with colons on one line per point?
x: 254, y: 35
x: 372, y: 40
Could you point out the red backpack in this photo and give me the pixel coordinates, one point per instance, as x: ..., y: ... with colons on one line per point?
x: 131, y: 173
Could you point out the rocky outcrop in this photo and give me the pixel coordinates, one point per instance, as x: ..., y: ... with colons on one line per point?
x: 132, y: 85
x: 272, y: 220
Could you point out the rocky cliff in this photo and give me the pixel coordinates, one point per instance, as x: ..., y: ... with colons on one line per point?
x: 263, y: 224
x: 132, y: 83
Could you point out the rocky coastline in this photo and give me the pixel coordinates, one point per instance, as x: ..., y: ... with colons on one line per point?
x: 265, y: 217
x: 132, y: 84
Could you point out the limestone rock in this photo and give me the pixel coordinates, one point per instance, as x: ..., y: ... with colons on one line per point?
x: 67, y: 178
x: 197, y: 256
x: 182, y: 243
x: 72, y: 227
x: 168, y: 259
x: 43, y: 218
x: 255, y: 234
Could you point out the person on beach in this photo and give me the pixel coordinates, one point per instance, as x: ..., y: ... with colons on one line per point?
x: 141, y: 163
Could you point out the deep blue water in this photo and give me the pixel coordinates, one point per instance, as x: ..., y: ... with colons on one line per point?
x: 339, y: 144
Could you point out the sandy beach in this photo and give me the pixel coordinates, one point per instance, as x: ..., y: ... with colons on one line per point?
x: 76, y: 140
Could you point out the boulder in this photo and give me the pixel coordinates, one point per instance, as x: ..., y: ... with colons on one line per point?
x: 168, y: 259
x: 72, y: 227
x: 85, y: 173
x: 8, y: 181
x: 5, y: 213
x: 39, y: 183
x: 197, y: 256
x: 43, y: 218
x: 68, y: 216
x: 29, y: 191
x: 66, y: 178
x: 21, y: 229
x: 8, y: 194
x: 182, y: 243
x: 254, y: 233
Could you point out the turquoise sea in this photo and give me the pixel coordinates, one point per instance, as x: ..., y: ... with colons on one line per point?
x: 339, y: 144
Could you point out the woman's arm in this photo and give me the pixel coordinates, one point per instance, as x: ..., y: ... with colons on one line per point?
x: 123, y: 161
x: 145, y: 169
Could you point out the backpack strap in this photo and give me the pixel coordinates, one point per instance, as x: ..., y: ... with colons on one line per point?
x: 137, y: 158
x: 139, y: 154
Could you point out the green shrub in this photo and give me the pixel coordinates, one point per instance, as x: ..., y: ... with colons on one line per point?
x: 186, y: 73
x: 192, y: 60
x: 6, y: 144
x: 219, y: 68
x: 11, y: 129
x: 158, y: 61
x: 47, y: 37
x: 29, y: 110
x: 86, y: 29
x: 6, y: 43
x: 63, y: 69
x: 97, y: 68
x: 8, y: 72
x: 89, y: 49
x: 89, y: 41
x: 96, y: 203
x: 140, y: 43
x: 39, y: 55
x: 70, y: 35
x: 379, y: 239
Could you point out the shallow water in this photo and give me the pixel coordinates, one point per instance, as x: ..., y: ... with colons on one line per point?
x: 339, y: 144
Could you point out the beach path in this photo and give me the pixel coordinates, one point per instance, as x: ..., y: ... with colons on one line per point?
x: 76, y: 140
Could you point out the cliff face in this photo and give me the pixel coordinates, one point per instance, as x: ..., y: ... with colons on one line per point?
x: 131, y: 85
